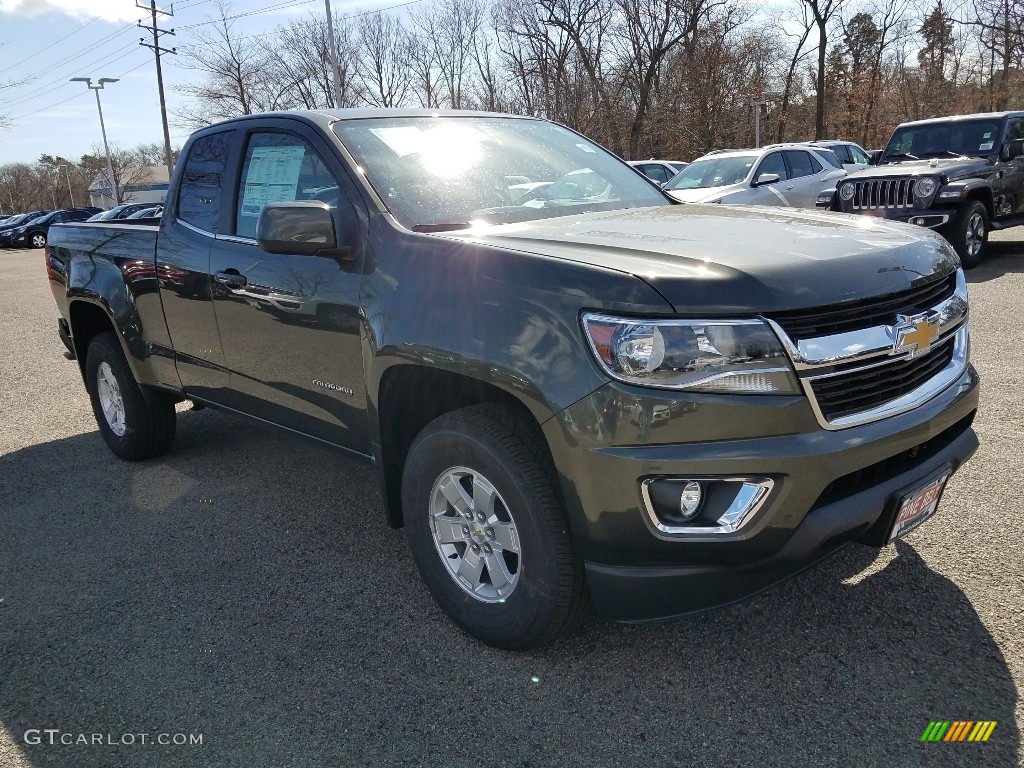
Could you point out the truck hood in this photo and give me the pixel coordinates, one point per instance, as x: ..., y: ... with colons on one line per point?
x: 953, y: 167
x: 720, y: 260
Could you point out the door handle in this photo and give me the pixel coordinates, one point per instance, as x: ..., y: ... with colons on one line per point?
x: 231, y: 278
x: 790, y: 186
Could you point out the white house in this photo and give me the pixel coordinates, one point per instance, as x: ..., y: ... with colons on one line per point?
x: 151, y: 189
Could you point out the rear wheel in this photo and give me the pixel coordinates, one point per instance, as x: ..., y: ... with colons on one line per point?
x: 487, y: 528
x: 132, y: 427
x: 969, y: 234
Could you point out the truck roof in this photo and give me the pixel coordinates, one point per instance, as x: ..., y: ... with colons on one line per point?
x: 957, y: 118
x: 327, y: 116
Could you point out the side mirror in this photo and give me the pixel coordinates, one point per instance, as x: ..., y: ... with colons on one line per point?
x: 1014, y: 148
x: 766, y: 178
x: 301, y: 227
x: 874, y: 156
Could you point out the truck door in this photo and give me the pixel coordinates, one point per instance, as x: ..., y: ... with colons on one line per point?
x: 183, y: 265
x: 290, y: 324
x: 1013, y: 170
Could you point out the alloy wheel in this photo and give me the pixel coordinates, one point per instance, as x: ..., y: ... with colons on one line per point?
x: 111, y: 402
x: 475, y: 535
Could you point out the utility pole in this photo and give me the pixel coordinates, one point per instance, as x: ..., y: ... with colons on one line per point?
x: 157, y: 50
x: 67, y: 175
x: 334, y: 56
x: 106, y: 147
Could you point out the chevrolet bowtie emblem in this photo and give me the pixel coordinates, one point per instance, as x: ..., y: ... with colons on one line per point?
x: 914, y: 334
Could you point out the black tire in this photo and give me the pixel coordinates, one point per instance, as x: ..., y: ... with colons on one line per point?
x: 148, y: 426
x: 508, y: 452
x: 964, y: 231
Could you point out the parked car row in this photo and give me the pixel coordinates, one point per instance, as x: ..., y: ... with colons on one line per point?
x: 32, y: 229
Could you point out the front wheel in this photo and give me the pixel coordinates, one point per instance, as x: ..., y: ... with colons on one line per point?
x: 38, y: 240
x: 132, y: 427
x: 968, y: 234
x: 487, y: 528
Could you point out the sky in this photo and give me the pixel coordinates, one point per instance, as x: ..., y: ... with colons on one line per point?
x: 43, y: 43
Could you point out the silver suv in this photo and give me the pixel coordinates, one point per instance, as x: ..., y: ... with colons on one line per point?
x: 782, y: 174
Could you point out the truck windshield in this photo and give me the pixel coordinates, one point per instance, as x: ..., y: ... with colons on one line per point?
x: 449, y: 173
x: 970, y: 138
x: 713, y: 172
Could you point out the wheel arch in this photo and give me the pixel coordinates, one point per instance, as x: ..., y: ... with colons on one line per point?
x: 411, y: 396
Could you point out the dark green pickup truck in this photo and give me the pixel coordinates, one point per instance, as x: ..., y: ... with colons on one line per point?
x: 576, y: 392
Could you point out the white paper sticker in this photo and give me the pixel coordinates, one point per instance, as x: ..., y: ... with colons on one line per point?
x: 586, y: 147
x: 272, y: 177
x: 985, y: 146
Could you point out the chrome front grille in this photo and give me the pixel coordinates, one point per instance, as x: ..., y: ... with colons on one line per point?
x: 860, y: 375
x: 852, y: 392
x: 882, y: 194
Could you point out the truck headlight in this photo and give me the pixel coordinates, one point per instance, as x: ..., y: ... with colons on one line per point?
x: 846, y: 190
x: 725, y: 356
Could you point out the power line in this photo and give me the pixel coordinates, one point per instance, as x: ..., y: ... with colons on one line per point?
x: 76, y: 96
x: 55, y: 42
x: 275, y: 32
x: 268, y: 9
x: 61, y: 82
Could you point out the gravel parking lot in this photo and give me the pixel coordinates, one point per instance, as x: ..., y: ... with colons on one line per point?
x: 245, y: 588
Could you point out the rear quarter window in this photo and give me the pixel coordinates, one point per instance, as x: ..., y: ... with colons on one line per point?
x: 202, y: 183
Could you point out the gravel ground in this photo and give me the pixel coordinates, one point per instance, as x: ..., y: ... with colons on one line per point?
x: 246, y: 589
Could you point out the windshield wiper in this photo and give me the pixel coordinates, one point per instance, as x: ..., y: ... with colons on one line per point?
x: 443, y: 226
x: 900, y: 154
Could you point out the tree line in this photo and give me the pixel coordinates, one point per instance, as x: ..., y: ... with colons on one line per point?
x: 53, y: 182
x: 646, y: 78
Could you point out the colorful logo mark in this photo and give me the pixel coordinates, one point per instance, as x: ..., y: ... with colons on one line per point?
x: 958, y: 730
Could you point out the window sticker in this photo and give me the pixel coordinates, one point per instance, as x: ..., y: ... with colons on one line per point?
x: 985, y: 146
x: 272, y: 177
x: 987, y: 135
x: 586, y: 147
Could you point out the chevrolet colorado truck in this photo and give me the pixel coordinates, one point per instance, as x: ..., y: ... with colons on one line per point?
x: 581, y: 395
x: 963, y: 176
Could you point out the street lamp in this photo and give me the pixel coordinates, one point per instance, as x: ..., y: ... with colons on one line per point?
x: 98, y: 88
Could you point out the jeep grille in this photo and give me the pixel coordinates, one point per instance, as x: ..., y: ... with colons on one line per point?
x: 880, y: 194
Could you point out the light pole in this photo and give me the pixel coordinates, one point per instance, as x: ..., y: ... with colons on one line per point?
x: 98, y: 88
x: 334, y: 56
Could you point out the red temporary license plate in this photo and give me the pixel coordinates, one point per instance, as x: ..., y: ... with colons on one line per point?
x: 918, y: 506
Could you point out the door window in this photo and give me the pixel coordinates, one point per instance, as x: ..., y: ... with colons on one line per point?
x: 202, y: 183
x: 858, y: 155
x: 280, y: 167
x: 772, y: 164
x: 800, y: 164
x: 843, y: 151
x: 656, y: 172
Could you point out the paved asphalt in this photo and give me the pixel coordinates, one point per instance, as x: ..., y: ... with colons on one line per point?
x: 245, y: 587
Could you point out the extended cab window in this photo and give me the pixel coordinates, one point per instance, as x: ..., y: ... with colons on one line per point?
x: 280, y: 167
x: 202, y: 183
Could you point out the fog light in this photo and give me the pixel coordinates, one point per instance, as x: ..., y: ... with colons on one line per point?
x: 690, y: 499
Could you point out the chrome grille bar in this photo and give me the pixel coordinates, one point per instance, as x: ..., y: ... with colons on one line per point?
x: 883, y: 194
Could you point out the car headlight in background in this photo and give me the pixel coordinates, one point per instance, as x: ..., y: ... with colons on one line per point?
x: 846, y: 190
x: 924, y: 190
x: 724, y: 356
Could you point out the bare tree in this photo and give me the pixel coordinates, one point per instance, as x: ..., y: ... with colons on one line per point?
x: 822, y: 12
x: 236, y: 73
x: 384, y: 45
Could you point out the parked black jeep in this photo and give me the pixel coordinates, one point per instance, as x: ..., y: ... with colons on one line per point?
x: 963, y: 176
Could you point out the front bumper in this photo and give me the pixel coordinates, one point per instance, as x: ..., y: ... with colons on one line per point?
x: 931, y: 217
x: 830, y: 487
